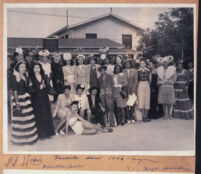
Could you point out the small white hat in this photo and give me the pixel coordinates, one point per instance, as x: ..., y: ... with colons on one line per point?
x: 81, y: 55
x: 44, y: 53
x: 19, y: 50
x: 168, y: 59
x: 103, y: 56
x: 67, y: 56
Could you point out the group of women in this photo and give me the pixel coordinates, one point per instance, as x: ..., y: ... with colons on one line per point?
x: 92, y: 95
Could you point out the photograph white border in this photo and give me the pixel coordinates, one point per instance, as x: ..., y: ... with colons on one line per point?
x: 87, y: 5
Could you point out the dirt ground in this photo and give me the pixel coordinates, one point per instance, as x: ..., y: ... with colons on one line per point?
x: 158, y: 135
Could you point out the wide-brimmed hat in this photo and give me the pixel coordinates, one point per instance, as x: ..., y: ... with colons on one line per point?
x: 44, y: 53
x: 81, y: 56
x: 103, y: 56
x: 67, y: 56
x: 19, y: 50
x: 165, y: 59
x: 102, y: 67
x: 56, y: 56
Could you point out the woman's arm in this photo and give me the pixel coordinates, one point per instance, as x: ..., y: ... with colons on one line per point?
x: 16, y: 100
x: 57, y: 106
x: 150, y: 78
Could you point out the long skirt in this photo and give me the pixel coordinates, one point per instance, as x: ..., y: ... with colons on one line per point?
x: 183, y: 106
x: 23, y: 122
x: 42, y: 110
x: 143, y: 95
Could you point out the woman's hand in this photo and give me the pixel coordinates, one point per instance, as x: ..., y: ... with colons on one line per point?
x: 103, y: 109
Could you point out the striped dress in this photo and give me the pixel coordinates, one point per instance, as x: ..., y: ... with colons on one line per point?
x: 23, y: 123
x: 183, y: 106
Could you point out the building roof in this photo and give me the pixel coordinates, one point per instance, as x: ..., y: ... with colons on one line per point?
x: 88, y: 43
x: 86, y: 22
x: 25, y: 42
x: 64, y: 43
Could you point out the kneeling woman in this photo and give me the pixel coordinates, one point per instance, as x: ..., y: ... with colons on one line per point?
x: 79, y: 125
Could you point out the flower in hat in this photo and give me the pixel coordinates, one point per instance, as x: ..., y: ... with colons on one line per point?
x: 80, y: 56
x: 19, y: 50
x: 103, y: 56
x: 67, y: 56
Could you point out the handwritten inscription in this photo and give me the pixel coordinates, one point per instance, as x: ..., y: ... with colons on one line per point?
x: 76, y: 162
x: 57, y: 157
x: 138, y: 160
x: 59, y: 166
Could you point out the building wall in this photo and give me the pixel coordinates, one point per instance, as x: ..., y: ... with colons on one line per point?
x: 107, y: 28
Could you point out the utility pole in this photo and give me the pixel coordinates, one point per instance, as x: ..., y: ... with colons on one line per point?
x: 66, y: 19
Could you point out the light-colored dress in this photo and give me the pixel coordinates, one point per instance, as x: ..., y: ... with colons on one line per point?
x: 47, y: 70
x: 69, y: 77
x: 119, y: 81
x: 63, y: 105
x: 83, y: 102
x: 143, y: 91
x: 166, y: 94
x: 183, y: 106
x: 82, y: 75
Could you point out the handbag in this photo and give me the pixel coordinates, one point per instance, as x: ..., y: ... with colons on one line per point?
x: 124, y: 93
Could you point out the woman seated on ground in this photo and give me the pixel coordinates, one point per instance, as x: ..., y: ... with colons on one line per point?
x: 63, y: 103
x: 62, y: 107
x: 83, y: 104
x: 79, y: 125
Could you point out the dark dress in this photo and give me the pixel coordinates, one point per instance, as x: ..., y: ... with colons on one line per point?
x: 57, y: 79
x: 23, y: 122
x: 93, y: 77
x: 96, y: 110
x: 156, y: 110
x: 42, y: 108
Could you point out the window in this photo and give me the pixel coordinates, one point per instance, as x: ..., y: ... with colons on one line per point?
x: 127, y: 41
x: 91, y: 36
x: 65, y: 36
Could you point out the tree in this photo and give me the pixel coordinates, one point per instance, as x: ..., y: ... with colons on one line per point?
x: 173, y: 35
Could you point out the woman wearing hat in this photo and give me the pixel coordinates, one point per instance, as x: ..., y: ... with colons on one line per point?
x: 24, y: 130
x: 166, y: 78
x: 69, y: 72
x: 183, y: 106
x: 82, y: 75
x: 106, y: 85
x: 57, y: 75
x: 45, y: 63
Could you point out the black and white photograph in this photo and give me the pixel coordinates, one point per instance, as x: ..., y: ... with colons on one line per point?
x: 99, y: 78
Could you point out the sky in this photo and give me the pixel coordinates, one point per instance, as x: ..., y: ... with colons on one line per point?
x: 41, y: 22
